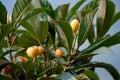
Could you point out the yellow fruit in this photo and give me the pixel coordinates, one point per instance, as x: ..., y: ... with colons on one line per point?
x: 74, y: 24
x: 41, y: 50
x: 32, y: 51
x: 58, y: 52
x: 22, y: 59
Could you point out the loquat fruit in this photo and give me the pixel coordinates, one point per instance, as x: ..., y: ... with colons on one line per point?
x: 58, y: 52
x: 74, y: 25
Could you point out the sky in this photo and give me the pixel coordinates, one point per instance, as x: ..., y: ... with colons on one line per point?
x: 113, y: 59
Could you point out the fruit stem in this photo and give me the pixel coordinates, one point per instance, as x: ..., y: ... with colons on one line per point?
x: 73, y: 52
x: 39, y: 42
x: 9, y: 47
x: 45, y: 58
x: 73, y: 48
x: 34, y: 59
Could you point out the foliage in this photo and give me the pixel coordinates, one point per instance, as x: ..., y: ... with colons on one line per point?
x: 50, y: 28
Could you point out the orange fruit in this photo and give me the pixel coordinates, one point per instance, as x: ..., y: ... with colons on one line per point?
x: 74, y: 25
x: 32, y: 51
x: 41, y: 50
x: 58, y: 52
x: 22, y: 59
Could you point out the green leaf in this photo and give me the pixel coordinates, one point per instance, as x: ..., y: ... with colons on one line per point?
x: 61, y: 12
x: 3, y: 43
x: 92, y: 75
x: 74, y: 9
x: 65, y: 34
x: 3, y: 77
x: 28, y: 68
x: 91, y: 34
x: 108, y: 67
x: 34, y: 12
x: 6, y: 29
x: 19, y: 9
x: 52, y: 33
x: 49, y: 68
x: 104, y: 17
x: 24, y: 40
x: 107, y: 42
x: 22, y: 69
x: 82, y: 57
x: 116, y: 17
x: 102, y: 50
x: 3, y: 14
x: 42, y: 30
x: 82, y: 76
x: 2, y: 55
x: 30, y: 29
x: 46, y: 4
x: 3, y: 65
x: 66, y: 76
x: 85, y: 27
x: 89, y: 8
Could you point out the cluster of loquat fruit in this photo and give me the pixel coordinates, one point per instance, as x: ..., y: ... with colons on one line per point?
x: 39, y: 50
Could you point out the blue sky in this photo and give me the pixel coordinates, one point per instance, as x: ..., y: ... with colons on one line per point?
x: 109, y: 58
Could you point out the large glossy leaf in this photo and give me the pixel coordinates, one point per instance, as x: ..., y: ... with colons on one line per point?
x: 92, y: 75
x: 5, y: 30
x: 116, y: 17
x: 3, y: 14
x: 3, y: 65
x: 91, y: 34
x: 3, y: 54
x: 85, y: 27
x: 24, y: 40
x: 3, y: 77
x: 24, y: 68
x: 102, y: 50
x: 82, y: 57
x: 104, y: 16
x: 108, y: 67
x: 42, y: 30
x: 101, y: 16
x: 34, y: 12
x: 89, y: 8
x: 30, y: 29
x: 3, y: 43
x: 82, y: 76
x: 19, y: 9
x: 46, y: 4
x: 65, y: 34
x: 74, y: 9
x: 107, y: 41
x: 62, y: 11
x: 50, y: 67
